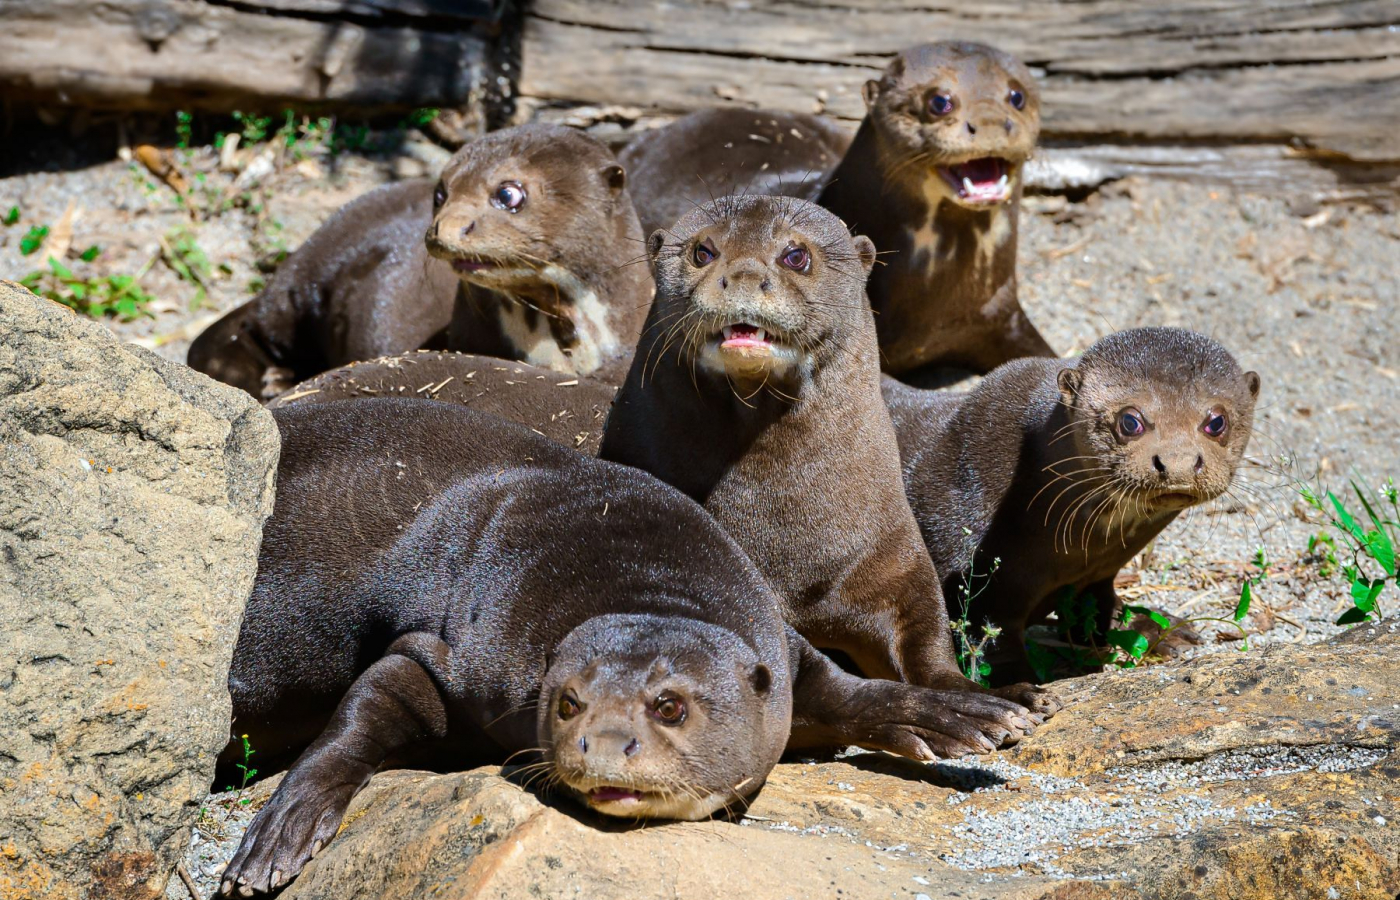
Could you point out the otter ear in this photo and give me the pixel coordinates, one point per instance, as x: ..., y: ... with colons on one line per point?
x: 761, y: 678
x: 615, y: 177
x: 1070, y: 381
x: 871, y: 93
x: 865, y: 250
x: 655, y: 243
x: 1252, y: 380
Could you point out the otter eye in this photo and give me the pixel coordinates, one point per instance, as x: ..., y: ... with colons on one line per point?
x: 940, y: 104
x: 797, y: 259
x: 1016, y: 99
x: 510, y: 195
x: 1130, y: 423
x: 705, y: 253
x: 439, y: 195
x: 669, y: 708
x: 1215, y: 425
x: 568, y: 707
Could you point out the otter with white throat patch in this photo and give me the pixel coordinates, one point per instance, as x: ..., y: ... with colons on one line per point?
x: 933, y: 177
x: 436, y: 584
x: 520, y: 250
x: 1065, y: 469
x: 756, y: 391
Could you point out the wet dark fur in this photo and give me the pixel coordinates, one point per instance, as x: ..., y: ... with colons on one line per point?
x: 364, y: 285
x: 563, y: 408
x: 805, y: 475
x: 432, y: 578
x: 993, y: 474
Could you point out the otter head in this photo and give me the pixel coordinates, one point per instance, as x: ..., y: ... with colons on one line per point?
x: 648, y: 718
x: 1167, y: 413
x: 955, y: 120
x: 757, y: 288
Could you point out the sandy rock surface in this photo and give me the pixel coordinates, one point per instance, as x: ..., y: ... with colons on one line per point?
x: 1287, y: 788
x: 132, y: 497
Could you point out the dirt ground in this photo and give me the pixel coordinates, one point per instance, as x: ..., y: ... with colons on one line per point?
x: 1305, y: 295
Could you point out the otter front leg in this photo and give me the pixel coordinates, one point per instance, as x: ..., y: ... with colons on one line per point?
x: 395, y: 703
x: 835, y: 708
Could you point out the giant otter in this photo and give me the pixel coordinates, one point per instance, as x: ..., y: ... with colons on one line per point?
x: 520, y: 250
x: 1065, y: 470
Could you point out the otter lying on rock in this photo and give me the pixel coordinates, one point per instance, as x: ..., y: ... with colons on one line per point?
x: 933, y: 177
x: 434, y: 580
x: 520, y: 250
x: 1064, y: 471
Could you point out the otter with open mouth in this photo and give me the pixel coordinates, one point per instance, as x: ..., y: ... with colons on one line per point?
x: 520, y: 250
x: 439, y: 586
x: 1065, y: 470
x: 756, y: 390
x: 933, y: 177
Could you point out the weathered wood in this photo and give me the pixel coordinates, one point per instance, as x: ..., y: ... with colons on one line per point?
x: 1325, y: 73
x: 205, y: 54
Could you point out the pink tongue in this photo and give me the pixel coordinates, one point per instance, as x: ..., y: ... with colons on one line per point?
x: 614, y: 793
x: 979, y: 171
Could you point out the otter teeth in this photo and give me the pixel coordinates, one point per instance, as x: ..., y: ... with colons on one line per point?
x: 1001, y: 183
x: 748, y: 332
x: 967, y: 185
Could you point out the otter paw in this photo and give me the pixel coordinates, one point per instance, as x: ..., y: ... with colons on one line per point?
x: 286, y: 833
x: 1167, y: 642
x: 1041, y: 702
x: 925, y: 723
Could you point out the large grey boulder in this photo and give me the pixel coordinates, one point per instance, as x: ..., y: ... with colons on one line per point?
x: 132, y: 496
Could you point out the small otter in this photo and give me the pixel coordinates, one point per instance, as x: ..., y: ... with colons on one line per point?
x: 1065, y: 470
x: 434, y: 578
x: 933, y: 177
x: 756, y: 390
x: 528, y: 235
x: 566, y: 409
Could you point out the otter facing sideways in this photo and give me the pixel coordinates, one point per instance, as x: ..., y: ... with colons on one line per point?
x: 519, y: 250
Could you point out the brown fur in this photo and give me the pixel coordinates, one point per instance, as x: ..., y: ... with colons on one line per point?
x: 1030, y: 469
x: 951, y: 301
x: 945, y: 294
x: 716, y: 152
x: 563, y: 408
x: 794, y: 452
x: 368, y: 283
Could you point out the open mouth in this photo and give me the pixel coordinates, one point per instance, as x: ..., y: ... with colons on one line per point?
x: 984, y: 181
x: 743, y: 336
x: 471, y: 265
x: 611, y: 795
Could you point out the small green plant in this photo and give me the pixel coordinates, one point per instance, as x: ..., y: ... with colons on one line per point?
x: 420, y: 117
x: 972, y: 650
x: 252, y: 129
x: 1371, y: 550
x: 248, y: 773
x: 183, y: 255
x: 110, y: 295
x: 11, y: 217
x: 184, y: 129
x: 33, y: 239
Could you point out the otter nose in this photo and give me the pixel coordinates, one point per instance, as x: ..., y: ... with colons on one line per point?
x: 610, y: 743
x: 747, y: 274
x: 971, y: 129
x: 471, y: 226
x: 1177, y: 464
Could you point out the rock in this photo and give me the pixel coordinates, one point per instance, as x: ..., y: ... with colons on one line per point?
x: 132, y: 496
x: 1120, y: 796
